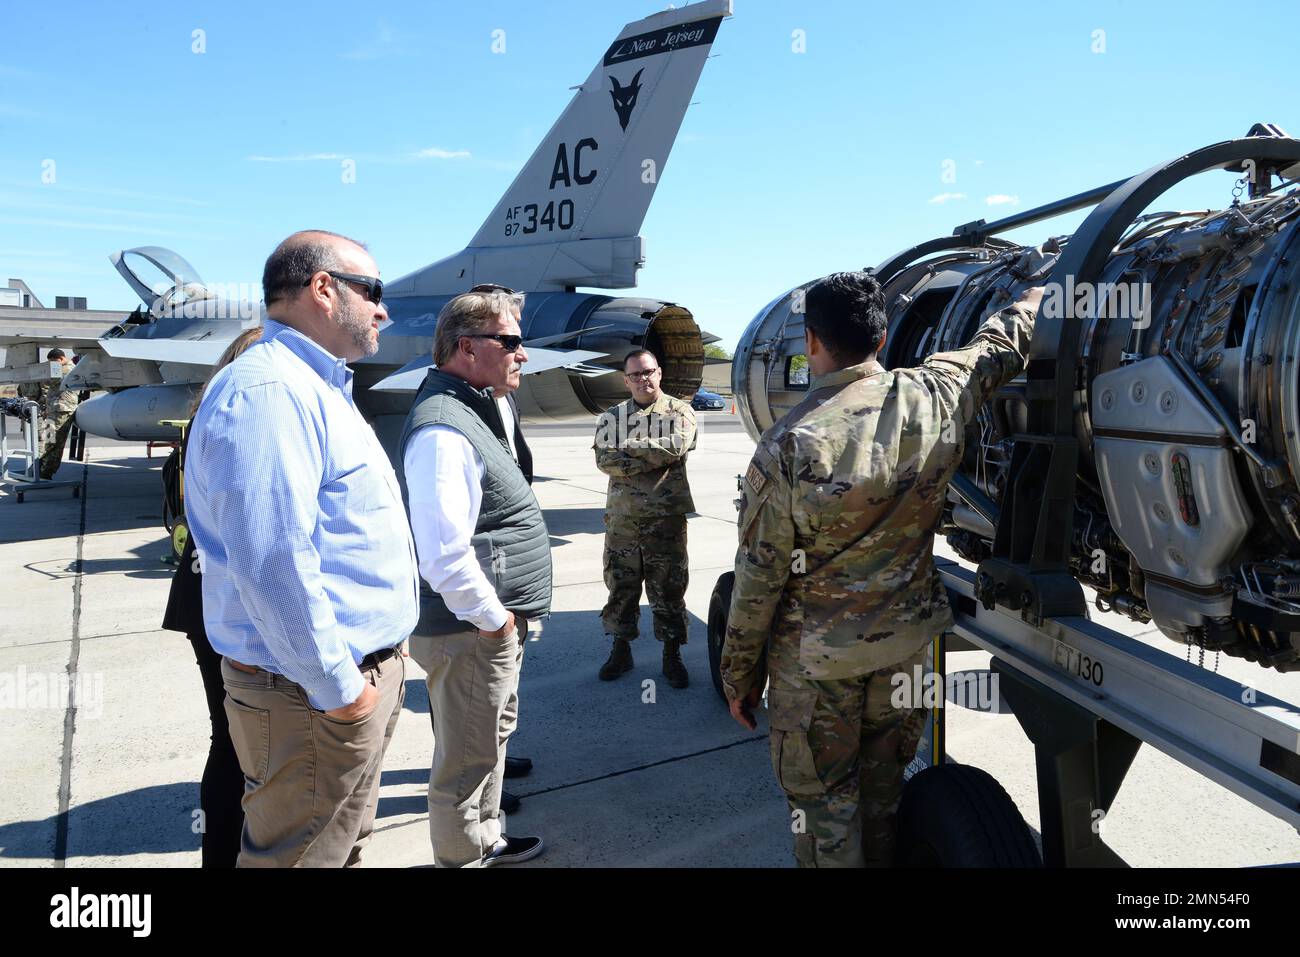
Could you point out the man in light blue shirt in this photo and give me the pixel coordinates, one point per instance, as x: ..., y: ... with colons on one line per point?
x: 309, y: 571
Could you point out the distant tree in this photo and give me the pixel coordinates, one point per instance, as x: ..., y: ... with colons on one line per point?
x: 715, y: 351
x: 798, y: 374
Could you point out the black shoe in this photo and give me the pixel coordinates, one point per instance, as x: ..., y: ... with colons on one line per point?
x: 674, y: 670
x: 509, y: 803
x: 512, y: 850
x: 619, y: 661
x: 518, y: 767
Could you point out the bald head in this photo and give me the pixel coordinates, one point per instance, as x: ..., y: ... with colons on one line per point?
x: 301, y: 289
x: 298, y: 258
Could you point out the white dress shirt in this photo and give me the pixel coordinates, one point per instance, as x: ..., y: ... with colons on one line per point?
x: 508, y: 419
x: 445, y: 492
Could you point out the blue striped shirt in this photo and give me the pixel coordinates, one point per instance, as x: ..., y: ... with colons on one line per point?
x: 305, y: 549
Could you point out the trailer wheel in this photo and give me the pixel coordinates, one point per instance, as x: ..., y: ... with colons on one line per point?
x: 954, y: 815
x: 719, y: 606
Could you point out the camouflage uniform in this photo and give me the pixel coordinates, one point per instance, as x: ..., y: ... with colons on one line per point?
x: 60, y: 408
x: 643, y: 451
x: 35, y: 391
x: 834, y: 576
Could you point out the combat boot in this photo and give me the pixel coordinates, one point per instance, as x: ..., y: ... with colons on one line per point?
x: 620, y: 660
x: 674, y: 670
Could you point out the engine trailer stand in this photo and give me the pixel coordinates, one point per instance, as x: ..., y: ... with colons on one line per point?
x: 1088, y: 698
x: 29, y: 478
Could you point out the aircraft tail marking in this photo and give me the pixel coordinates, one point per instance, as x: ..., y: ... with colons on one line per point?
x: 594, y: 174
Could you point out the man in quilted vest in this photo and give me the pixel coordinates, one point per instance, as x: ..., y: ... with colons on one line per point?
x: 485, y: 564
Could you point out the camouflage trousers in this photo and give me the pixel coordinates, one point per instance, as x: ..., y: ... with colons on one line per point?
x: 652, y: 551
x: 839, y: 748
x: 56, y: 430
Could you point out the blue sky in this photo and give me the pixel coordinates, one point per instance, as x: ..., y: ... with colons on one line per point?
x: 899, y: 122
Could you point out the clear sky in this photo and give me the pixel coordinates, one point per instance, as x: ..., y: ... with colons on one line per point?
x: 898, y: 122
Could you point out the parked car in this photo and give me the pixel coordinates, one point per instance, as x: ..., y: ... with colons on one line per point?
x: 704, y: 399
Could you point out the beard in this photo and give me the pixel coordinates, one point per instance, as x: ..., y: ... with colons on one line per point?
x: 356, y: 321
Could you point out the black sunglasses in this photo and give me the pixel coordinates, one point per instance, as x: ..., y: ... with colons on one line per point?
x: 492, y: 287
x: 374, y: 286
x: 509, y: 343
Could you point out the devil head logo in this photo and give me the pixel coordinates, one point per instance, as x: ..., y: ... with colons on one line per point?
x: 625, y: 98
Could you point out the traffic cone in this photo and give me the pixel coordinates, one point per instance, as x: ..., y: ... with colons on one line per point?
x: 733, y: 406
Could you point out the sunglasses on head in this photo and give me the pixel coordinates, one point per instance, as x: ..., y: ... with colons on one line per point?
x: 492, y: 287
x: 374, y: 286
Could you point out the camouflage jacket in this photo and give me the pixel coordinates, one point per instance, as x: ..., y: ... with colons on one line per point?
x: 52, y: 399
x: 840, y: 505
x: 60, y: 400
x: 643, y: 451
x: 34, y: 391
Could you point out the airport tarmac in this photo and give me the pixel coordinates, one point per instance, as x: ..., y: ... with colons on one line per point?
x: 627, y: 773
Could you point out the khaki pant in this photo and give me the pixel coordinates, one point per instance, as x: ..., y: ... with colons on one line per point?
x: 474, y: 708
x: 311, y: 782
x: 839, y: 749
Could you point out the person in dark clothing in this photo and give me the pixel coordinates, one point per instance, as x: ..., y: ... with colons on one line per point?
x: 222, y: 788
x: 221, y: 791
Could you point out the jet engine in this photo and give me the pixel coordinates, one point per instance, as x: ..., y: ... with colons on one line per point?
x: 1152, y: 448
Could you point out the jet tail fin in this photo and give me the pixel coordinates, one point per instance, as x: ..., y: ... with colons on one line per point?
x: 572, y: 215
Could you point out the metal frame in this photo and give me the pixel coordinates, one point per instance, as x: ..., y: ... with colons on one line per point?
x: 29, y: 480
x: 980, y: 234
x: 1086, y: 733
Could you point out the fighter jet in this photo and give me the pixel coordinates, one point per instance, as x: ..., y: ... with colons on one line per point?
x: 570, y: 219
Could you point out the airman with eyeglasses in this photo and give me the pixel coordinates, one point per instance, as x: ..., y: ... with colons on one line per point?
x: 641, y: 444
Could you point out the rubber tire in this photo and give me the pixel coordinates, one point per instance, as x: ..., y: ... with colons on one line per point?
x: 955, y: 815
x: 719, y: 606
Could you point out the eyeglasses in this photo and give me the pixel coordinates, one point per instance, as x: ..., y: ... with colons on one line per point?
x: 492, y: 287
x: 509, y: 343
x: 644, y: 374
x: 374, y: 286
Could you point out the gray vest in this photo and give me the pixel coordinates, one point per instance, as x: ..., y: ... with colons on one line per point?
x: 510, y: 540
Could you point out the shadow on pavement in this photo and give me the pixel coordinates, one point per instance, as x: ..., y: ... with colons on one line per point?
x: 152, y: 820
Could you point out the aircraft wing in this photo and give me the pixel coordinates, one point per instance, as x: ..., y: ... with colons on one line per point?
x: 22, y: 335
x: 199, y: 352
x: 410, y: 376
x: 67, y: 334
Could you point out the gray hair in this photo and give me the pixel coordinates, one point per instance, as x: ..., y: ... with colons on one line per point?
x: 468, y: 314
